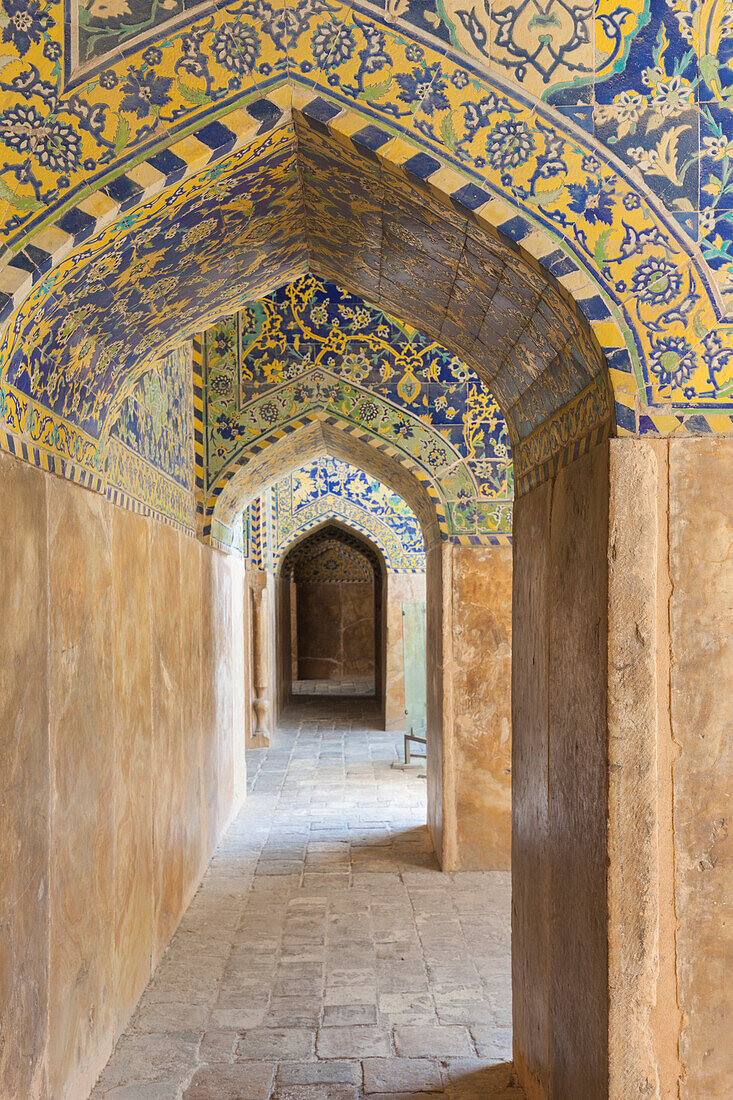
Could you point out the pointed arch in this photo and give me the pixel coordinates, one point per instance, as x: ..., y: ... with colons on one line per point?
x: 320, y: 433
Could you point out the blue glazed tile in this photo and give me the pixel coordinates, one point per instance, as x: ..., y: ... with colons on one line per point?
x: 371, y: 138
x: 664, y: 149
x: 77, y: 224
x: 421, y: 166
x: 626, y: 418
x: 425, y: 15
x: 266, y: 113
x: 172, y: 167
x: 620, y: 359
x: 716, y: 156
x: 581, y: 115
x: 470, y: 197
x: 516, y: 228
x: 124, y: 191
x: 573, y: 97
x: 559, y: 263
x: 217, y: 137
x: 650, y: 48
x: 594, y: 309
x: 319, y: 112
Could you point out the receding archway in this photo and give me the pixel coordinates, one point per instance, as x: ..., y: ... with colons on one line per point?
x: 331, y: 590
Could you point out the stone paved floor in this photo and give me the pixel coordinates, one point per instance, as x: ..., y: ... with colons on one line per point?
x: 333, y: 687
x: 325, y: 957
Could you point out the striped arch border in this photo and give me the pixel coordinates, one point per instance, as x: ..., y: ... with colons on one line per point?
x: 333, y: 421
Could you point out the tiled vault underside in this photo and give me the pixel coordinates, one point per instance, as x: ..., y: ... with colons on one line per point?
x: 298, y: 199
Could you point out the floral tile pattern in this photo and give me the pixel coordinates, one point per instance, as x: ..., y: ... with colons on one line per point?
x: 331, y: 489
x: 132, y: 212
x: 148, y: 459
x: 312, y: 347
x: 330, y: 556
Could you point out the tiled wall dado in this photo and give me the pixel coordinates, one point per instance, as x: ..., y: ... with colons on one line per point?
x: 122, y: 763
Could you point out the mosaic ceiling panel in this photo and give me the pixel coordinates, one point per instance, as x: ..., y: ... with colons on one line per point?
x: 330, y: 488
x: 332, y: 562
x: 193, y: 250
x: 95, y: 323
x: 312, y: 347
x: 89, y: 82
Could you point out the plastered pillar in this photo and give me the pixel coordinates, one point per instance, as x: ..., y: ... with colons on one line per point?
x: 477, y: 657
x: 469, y: 602
x: 261, y: 645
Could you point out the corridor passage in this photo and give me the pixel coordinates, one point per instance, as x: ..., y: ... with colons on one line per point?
x: 325, y: 957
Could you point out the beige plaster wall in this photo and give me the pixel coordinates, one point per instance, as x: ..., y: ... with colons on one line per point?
x: 469, y: 642
x: 434, y: 587
x: 25, y: 781
x: 401, y: 588
x: 701, y: 703
x: 119, y: 762
x: 477, y: 730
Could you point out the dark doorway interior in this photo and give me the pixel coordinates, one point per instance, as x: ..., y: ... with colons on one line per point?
x: 335, y: 593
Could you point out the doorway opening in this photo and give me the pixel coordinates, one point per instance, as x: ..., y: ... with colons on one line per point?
x: 333, y: 584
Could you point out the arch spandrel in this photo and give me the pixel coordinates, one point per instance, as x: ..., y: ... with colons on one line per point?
x: 313, y: 351
x: 302, y: 547
x: 332, y: 489
x: 334, y: 509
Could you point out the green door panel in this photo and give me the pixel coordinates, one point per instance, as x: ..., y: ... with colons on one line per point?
x: 414, y: 656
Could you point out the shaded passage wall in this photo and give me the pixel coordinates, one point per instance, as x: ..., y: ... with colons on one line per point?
x: 559, y: 957
x: 335, y: 630
x: 121, y: 681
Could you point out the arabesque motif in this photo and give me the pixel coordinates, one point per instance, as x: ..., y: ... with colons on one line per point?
x: 312, y: 347
x: 331, y: 489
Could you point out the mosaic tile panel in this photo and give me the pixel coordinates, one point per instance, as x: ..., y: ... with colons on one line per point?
x: 333, y: 554
x: 148, y: 458
x: 622, y: 205
x: 332, y: 562
x: 89, y: 84
x: 331, y: 489
x: 312, y: 347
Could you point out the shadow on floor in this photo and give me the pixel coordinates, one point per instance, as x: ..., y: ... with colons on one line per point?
x: 490, y: 1083
x: 335, y: 708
